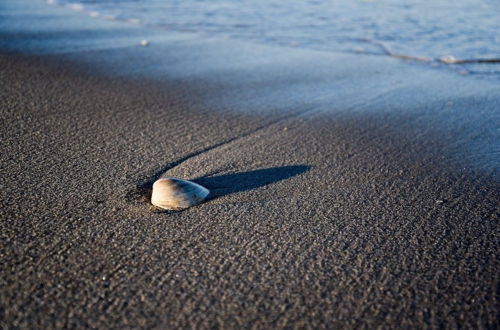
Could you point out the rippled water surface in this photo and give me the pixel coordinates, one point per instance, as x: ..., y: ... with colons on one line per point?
x: 420, y: 29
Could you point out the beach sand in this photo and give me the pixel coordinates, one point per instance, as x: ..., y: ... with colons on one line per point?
x: 346, y: 191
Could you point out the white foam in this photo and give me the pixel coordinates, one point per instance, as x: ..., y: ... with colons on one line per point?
x: 134, y: 20
x: 76, y: 6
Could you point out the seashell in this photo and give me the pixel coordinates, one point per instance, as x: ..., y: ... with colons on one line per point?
x: 448, y: 59
x: 177, y: 194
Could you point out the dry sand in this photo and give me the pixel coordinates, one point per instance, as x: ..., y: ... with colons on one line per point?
x: 325, y: 212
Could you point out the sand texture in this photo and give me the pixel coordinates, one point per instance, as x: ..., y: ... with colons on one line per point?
x: 337, y: 201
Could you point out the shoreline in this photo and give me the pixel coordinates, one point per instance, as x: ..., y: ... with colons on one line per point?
x: 342, y: 194
x: 245, y: 78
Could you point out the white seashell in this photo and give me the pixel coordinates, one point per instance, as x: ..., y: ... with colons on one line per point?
x: 177, y: 194
x: 448, y: 59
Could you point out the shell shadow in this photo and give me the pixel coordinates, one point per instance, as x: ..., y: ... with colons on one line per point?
x: 221, y: 185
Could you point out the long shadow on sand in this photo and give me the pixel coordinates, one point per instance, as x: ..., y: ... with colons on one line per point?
x: 221, y: 185
x: 226, y: 184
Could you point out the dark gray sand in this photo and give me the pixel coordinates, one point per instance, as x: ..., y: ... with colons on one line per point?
x: 317, y: 219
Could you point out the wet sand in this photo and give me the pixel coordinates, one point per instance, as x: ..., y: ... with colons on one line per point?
x: 346, y: 192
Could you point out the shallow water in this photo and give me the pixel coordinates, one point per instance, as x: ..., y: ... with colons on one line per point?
x: 428, y: 30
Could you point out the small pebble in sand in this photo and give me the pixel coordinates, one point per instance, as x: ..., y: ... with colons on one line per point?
x: 177, y: 194
x: 144, y: 43
x: 439, y: 201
